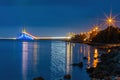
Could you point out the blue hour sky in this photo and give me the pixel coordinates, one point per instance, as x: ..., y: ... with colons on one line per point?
x: 52, y: 17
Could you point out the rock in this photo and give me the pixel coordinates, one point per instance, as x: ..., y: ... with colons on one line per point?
x: 85, y: 58
x: 95, y: 58
x: 108, y: 78
x: 90, y: 70
x: 80, y: 64
x: 68, y: 76
x: 117, y: 78
x: 75, y: 64
x: 100, y: 75
x: 109, y: 66
x: 39, y: 78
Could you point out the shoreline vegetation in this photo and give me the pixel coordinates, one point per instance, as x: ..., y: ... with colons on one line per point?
x: 107, y: 38
x: 110, y: 35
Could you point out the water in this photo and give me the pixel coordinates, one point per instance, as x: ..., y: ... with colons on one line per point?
x: 49, y: 59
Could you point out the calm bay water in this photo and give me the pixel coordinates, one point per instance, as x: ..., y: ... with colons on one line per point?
x: 49, y: 59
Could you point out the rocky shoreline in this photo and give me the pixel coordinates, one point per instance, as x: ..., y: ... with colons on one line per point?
x: 108, y: 68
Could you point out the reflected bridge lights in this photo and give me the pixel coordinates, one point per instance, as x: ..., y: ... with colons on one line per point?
x: 24, y: 59
x: 69, y: 52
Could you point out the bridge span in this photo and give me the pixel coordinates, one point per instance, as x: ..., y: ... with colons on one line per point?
x: 27, y: 36
x: 52, y: 38
x: 40, y: 38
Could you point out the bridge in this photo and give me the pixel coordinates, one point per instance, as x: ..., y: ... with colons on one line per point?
x: 27, y: 36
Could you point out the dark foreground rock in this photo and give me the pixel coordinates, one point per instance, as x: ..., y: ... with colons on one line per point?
x: 39, y: 78
x: 78, y: 64
x: 85, y: 58
x: 90, y: 70
x: 68, y: 76
x: 109, y: 66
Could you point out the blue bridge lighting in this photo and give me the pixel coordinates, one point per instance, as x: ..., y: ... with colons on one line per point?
x: 24, y: 36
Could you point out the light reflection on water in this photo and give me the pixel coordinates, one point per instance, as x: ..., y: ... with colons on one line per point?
x: 29, y: 59
x: 35, y: 51
x: 60, y: 57
x: 88, y: 56
x: 48, y: 59
x: 57, y: 60
x: 69, y: 53
x: 68, y: 58
x: 95, y: 61
x: 24, y: 59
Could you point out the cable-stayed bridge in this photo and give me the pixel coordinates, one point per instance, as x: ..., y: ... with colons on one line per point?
x: 27, y: 36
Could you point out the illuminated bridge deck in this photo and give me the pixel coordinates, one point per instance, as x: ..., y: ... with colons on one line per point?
x: 40, y: 38
x: 27, y: 36
x: 52, y: 38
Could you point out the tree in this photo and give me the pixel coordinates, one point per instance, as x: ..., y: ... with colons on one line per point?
x: 109, y: 35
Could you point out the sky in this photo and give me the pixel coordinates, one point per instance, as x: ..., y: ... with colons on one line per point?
x: 52, y: 17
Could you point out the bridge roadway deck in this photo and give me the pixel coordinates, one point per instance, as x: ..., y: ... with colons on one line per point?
x: 41, y: 38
